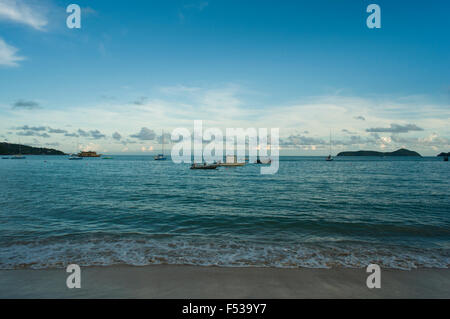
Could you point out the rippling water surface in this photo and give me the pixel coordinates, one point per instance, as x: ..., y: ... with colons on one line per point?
x: 133, y: 210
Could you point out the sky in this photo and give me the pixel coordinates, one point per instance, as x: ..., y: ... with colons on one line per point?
x: 136, y: 68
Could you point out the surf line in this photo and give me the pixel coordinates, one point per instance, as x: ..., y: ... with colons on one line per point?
x: 193, y: 309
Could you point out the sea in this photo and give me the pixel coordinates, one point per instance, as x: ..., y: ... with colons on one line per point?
x: 132, y: 210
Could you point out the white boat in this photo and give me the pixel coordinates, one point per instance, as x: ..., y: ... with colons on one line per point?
x: 75, y: 157
x: 19, y: 156
x: 266, y: 162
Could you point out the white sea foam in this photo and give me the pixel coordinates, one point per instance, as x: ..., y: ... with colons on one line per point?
x: 226, y: 254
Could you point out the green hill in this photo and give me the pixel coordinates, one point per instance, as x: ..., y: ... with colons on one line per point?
x: 444, y: 154
x: 13, y: 149
x: 400, y: 152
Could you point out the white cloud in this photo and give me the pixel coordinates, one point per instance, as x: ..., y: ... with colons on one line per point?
x: 8, y: 55
x: 19, y: 12
x: 231, y: 106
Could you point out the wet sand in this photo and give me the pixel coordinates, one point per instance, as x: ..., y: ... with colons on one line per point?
x: 191, y: 282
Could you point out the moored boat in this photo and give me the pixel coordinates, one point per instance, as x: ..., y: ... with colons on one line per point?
x: 161, y: 157
x: 231, y: 161
x: 18, y: 157
x: 89, y: 154
x: 204, y: 166
x: 259, y: 162
x: 75, y: 157
x: 330, y: 158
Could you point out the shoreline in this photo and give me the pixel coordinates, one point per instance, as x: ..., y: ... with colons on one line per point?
x: 197, y: 282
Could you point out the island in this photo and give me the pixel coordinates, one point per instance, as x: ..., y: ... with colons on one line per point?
x: 14, y: 149
x: 400, y: 152
x: 444, y: 154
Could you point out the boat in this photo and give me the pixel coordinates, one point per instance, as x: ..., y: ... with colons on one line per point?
x: 5, y: 157
x: 161, y: 157
x: 204, y: 166
x: 259, y: 162
x: 231, y: 161
x: 88, y: 154
x: 19, y: 156
x: 75, y: 157
x: 329, y: 157
x: 107, y: 158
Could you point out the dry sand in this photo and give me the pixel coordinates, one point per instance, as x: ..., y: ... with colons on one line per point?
x: 192, y: 282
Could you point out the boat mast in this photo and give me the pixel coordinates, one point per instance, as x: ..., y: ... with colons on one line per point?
x: 330, y: 142
x: 162, y: 140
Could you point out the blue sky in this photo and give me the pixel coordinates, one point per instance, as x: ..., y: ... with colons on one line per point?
x: 307, y: 67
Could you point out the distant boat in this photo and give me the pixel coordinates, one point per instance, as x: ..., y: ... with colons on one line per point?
x: 258, y: 161
x: 5, y: 157
x: 161, y: 157
x: 204, y: 166
x: 107, y: 158
x: 88, y: 154
x: 75, y: 157
x: 231, y: 161
x: 19, y: 156
x: 329, y: 157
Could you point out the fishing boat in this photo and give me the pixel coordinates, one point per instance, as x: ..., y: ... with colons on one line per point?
x: 161, y: 157
x: 231, y: 161
x: 204, y: 166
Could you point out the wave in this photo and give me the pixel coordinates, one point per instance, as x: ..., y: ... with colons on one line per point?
x: 198, y: 251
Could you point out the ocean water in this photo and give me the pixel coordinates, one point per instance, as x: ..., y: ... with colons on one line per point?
x: 132, y: 210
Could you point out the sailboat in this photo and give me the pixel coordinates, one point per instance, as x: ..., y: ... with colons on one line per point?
x: 19, y: 156
x: 76, y: 156
x: 161, y: 157
x: 329, y: 157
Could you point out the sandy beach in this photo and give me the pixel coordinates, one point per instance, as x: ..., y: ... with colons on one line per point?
x: 191, y: 282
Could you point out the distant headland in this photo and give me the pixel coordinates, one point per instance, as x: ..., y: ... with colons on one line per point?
x: 400, y: 152
x: 444, y: 154
x: 13, y: 149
